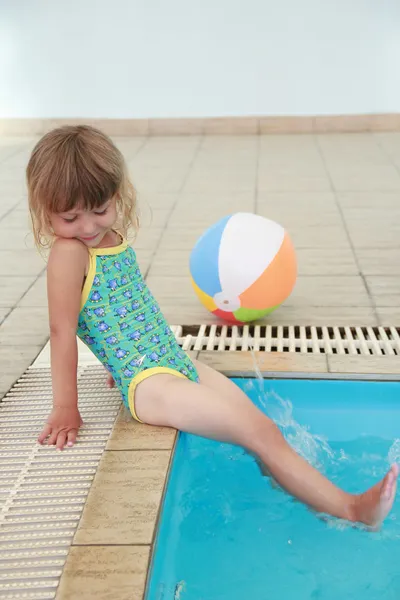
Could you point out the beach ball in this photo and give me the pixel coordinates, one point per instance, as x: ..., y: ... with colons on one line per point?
x: 243, y: 267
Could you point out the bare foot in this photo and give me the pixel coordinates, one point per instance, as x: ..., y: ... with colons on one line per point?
x: 374, y: 505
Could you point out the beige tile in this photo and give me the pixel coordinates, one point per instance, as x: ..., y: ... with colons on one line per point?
x: 364, y: 177
x: 315, y: 290
x: 11, y: 173
x: 20, y: 263
x: 124, y: 498
x: 312, y: 224
x: 156, y: 201
x: 232, y: 201
x: 3, y: 313
x: 351, y: 150
x: 13, y: 190
x: 165, y: 160
x: 385, y: 122
x: 6, y: 207
x: 187, y: 314
x: 153, y: 218
x: 176, y: 126
x: 363, y: 364
x: 204, y: 181
x: 26, y: 127
x: 379, y: 261
x: 291, y: 180
x: 13, y: 288
x: 373, y: 227
x: 332, y: 260
x: 180, y: 238
x: 389, y: 315
x: 14, y: 361
x: 15, y: 239
x: 158, y: 180
x: 231, y: 125
x: 124, y: 127
x: 286, y: 125
x: 128, y: 434
x: 17, y: 219
x: 25, y: 326
x: 170, y: 263
x: 104, y: 572
x: 342, y: 123
x: 385, y: 289
x: 130, y: 147
x: 148, y: 238
x: 390, y: 143
x: 36, y: 296
x: 289, y: 144
x: 174, y: 289
x: 144, y: 258
x: 323, y: 315
x: 369, y: 200
x: 300, y: 202
x: 171, y: 149
x: 236, y: 361
x: 206, y: 214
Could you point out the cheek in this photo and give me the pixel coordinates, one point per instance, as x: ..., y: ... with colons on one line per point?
x: 109, y: 218
x: 61, y: 228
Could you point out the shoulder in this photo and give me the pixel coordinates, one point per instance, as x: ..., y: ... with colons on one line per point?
x: 65, y: 253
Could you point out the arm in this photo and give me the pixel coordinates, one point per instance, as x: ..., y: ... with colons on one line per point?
x: 65, y: 276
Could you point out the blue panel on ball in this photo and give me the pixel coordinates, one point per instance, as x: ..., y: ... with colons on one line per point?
x: 204, y: 258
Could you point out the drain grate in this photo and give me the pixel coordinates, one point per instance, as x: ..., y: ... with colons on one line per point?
x: 378, y: 341
x: 42, y: 491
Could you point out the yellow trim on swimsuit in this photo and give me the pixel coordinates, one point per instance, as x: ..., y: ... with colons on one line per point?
x: 141, y: 377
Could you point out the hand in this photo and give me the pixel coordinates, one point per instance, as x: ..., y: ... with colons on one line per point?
x: 61, y: 427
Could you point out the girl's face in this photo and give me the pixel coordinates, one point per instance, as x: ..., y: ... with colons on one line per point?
x: 88, y: 226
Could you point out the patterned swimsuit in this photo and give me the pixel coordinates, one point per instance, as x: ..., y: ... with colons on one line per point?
x: 121, y: 323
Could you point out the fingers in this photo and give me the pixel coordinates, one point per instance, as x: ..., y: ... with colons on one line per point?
x: 58, y: 438
x: 45, y: 432
x: 71, y: 437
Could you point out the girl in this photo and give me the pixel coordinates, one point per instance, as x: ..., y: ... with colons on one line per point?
x: 82, y: 204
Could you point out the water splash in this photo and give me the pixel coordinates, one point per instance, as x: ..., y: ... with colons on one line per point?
x: 313, y: 448
x: 394, y: 452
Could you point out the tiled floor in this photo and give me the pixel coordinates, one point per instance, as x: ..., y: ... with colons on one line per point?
x: 338, y: 196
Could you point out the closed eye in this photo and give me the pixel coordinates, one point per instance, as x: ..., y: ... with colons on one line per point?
x: 101, y: 212
x: 70, y: 219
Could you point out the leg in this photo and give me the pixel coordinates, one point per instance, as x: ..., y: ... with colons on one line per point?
x: 218, y: 409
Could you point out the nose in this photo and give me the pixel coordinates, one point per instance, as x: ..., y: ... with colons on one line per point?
x: 88, y: 226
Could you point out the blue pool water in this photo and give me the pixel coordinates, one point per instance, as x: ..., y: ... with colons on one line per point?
x: 226, y: 533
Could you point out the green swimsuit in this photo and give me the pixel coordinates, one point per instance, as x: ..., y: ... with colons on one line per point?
x: 121, y: 323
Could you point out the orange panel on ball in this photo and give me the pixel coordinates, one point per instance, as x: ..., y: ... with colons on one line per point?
x: 276, y: 282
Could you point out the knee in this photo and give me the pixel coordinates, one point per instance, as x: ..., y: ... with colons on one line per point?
x: 266, y: 435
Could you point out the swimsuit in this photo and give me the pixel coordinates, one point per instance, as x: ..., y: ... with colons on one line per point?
x: 121, y: 323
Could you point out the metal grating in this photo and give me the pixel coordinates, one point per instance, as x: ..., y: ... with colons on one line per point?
x: 376, y: 341
x: 42, y: 491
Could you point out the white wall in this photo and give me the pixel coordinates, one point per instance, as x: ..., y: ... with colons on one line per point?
x: 177, y: 58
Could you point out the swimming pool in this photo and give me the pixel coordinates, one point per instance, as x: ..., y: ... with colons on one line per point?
x: 226, y: 533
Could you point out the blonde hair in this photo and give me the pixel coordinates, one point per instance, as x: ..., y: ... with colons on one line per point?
x: 77, y: 166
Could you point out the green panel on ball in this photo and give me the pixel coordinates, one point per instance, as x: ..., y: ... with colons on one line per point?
x: 250, y: 314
